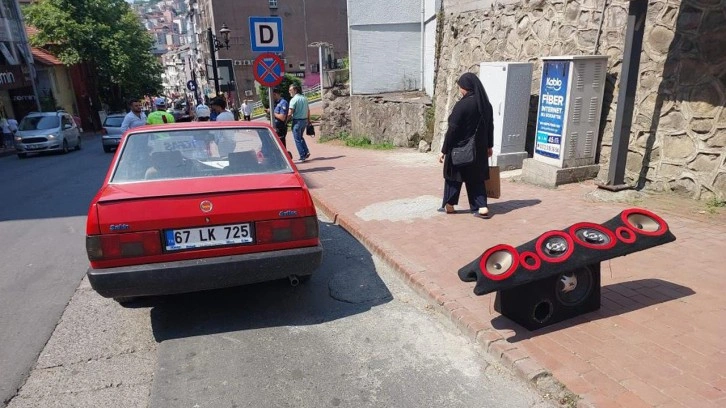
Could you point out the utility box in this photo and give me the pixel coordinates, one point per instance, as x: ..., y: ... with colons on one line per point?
x: 570, y: 106
x: 508, y: 85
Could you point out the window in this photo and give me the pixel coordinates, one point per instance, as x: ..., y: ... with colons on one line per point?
x: 273, y: 4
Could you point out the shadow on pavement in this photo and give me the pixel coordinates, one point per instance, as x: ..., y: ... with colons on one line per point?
x: 313, y: 169
x: 503, y: 207
x: 632, y: 295
x: 316, y: 158
x: 346, y: 284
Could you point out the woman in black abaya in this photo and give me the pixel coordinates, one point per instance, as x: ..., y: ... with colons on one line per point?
x: 471, y: 116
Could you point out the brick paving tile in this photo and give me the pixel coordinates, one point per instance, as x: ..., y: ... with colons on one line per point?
x: 657, y: 317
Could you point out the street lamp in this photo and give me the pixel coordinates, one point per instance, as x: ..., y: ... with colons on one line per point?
x: 214, y: 45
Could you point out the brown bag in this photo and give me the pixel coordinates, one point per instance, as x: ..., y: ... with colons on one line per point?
x: 494, y: 184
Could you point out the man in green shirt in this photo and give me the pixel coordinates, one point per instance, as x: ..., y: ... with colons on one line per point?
x: 299, y: 112
x: 160, y: 115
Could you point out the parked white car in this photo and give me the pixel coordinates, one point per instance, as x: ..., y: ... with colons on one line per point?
x: 47, y: 132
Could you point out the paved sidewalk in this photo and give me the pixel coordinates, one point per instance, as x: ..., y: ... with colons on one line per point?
x: 658, y: 339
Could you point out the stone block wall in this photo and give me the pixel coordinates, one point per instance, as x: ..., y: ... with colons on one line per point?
x: 678, y: 137
x: 336, y: 111
x: 398, y: 118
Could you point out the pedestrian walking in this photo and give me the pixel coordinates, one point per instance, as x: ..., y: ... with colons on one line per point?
x: 160, y: 115
x: 279, y: 113
x: 246, y: 110
x: 202, y: 113
x: 299, y: 113
x: 219, y: 106
x: 134, y: 118
x: 13, y: 125
x: 7, y: 135
x: 471, y: 117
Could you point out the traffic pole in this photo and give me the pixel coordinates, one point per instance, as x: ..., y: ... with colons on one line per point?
x: 272, y: 108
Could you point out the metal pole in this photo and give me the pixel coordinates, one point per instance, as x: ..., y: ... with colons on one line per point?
x: 212, y: 51
x: 272, y: 107
x: 626, y: 98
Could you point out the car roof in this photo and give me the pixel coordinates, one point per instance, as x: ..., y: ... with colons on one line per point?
x: 46, y: 113
x: 201, y: 125
x: 116, y: 115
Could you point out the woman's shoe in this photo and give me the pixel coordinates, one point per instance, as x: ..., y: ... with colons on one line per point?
x: 447, y: 208
x: 482, y: 213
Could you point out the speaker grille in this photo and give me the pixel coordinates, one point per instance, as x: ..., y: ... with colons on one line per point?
x: 554, y: 246
x: 591, y: 235
x: 574, y: 287
x: 644, y: 222
x: 499, y: 262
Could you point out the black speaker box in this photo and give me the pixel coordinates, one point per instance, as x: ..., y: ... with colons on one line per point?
x: 551, y: 300
x: 555, y: 252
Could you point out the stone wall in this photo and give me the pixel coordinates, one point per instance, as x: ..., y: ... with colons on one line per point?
x: 678, y: 138
x: 398, y: 118
x: 336, y: 111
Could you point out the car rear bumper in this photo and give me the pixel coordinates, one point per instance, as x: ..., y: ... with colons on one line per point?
x: 111, y: 141
x: 203, y: 274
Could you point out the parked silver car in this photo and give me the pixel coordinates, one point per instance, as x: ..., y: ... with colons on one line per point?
x: 45, y: 132
x: 111, y: 133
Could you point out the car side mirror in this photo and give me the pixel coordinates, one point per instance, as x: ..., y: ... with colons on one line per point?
x: 67, y: 126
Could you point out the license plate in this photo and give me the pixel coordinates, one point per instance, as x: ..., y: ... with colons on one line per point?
x: 204, y: 237
x: 34, y: 146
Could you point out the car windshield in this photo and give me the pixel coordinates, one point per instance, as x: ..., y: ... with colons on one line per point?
x: 113, y: 121
x: 39, y: 123
x: 194, y: 153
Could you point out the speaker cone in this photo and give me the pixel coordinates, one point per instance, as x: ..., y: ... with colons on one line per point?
x: 574, y: 287
x: 593, y: 236
x: 499, y: 262
x: 644, y: 222
x: 625, y: 234
x: 554, y: 246
x: 530, y: 261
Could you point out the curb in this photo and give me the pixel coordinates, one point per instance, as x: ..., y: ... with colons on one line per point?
x: 490, y: 341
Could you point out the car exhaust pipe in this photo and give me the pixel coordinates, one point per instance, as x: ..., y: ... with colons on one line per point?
x: 294, y: 280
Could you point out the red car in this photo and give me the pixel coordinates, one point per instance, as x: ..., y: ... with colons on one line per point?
x: 196, y: 206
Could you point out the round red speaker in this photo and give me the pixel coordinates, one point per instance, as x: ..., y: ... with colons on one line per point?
x: 499, y: 262
x: 644, y: 222
x: 593, y: 236
x: 529, y: 261
x: 555, y: 246
x: 625, y: 234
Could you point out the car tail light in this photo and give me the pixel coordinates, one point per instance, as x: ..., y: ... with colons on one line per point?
x: 129, y: 245
x: 291, y: 229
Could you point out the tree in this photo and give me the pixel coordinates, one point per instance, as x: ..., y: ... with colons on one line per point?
x: 105, y: 34
x: 284, y: 87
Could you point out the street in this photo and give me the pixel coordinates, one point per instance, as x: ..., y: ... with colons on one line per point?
x: 355, y: 335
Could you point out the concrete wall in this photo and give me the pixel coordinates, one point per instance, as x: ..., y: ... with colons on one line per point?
x: 678, y: 138
x: 431, y: 9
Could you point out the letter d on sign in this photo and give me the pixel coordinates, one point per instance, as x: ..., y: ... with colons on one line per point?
x: 266, y: 34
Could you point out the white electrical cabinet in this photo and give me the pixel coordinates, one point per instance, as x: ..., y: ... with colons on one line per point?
x: 570, y: 105
x: 508, y: 85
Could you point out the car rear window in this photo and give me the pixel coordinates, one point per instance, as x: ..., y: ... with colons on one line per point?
x: 114, y: 121
x: 195, y: 153
x: 39, y: 123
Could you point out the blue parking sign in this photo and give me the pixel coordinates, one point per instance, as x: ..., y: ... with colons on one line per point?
x: 266, y: 34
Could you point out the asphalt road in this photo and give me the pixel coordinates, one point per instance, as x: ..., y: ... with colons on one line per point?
x: 354, y: 336
x: 42, y: 228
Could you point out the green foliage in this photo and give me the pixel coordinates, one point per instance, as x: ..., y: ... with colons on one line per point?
x: 107, y: 34
x: 363, y: 142
x: 714, y: 203
x: 284, y: 88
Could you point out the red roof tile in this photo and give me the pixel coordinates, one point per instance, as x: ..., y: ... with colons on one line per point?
x: 44, y: 57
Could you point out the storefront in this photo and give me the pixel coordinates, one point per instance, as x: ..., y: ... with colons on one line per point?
x: 17, y: 98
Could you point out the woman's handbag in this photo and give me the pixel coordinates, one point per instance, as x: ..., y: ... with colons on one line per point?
x: 464, y: 155
x: 310, y: 130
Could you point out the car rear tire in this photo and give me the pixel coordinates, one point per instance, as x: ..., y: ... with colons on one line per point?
x: 22, y: 155
x: 107, y: 149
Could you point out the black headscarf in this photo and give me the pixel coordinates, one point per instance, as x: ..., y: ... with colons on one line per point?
x: 473, y: 85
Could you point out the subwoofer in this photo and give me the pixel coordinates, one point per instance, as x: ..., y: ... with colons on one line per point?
x: 555, y: 252
x: 551, y: 300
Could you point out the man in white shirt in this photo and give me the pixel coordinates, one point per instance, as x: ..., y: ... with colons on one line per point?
x: 134, y: 118
x: 246, y: 110
x: 219, y: 105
